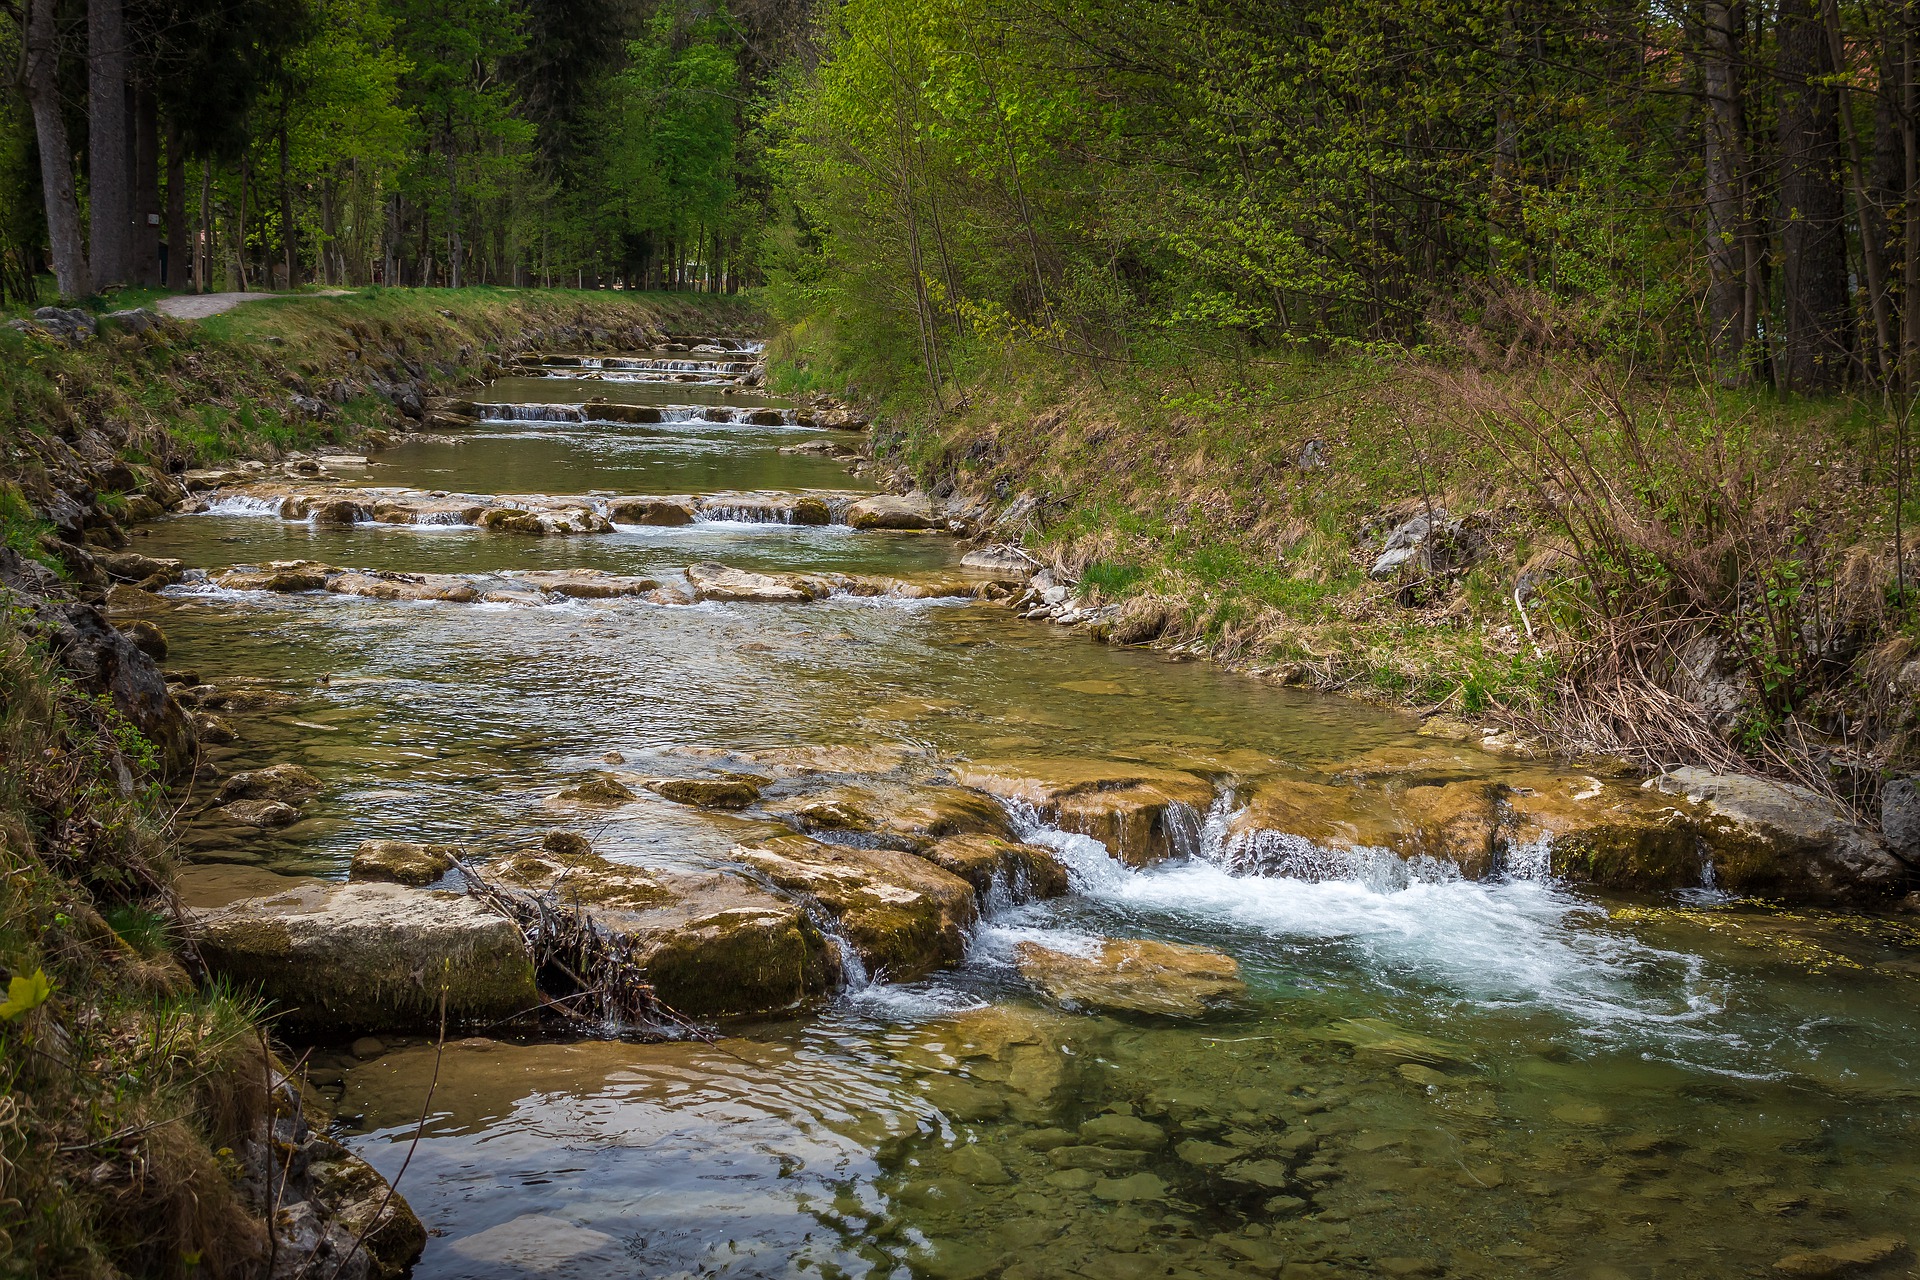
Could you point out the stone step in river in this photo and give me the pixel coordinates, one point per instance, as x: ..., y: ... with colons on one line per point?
x: 1039, y: 958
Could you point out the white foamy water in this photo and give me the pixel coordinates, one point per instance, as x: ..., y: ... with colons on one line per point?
x: 1519, y: 942
x: 236, y: 505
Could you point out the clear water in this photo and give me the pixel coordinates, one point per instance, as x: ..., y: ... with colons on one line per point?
x: 1502, y: 1079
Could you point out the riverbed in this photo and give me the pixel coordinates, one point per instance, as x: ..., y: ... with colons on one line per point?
x: 1431, y: 1074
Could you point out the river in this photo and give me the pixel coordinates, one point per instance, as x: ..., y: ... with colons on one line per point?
x: 1433, y: 1075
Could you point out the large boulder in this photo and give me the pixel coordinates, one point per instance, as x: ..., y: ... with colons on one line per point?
x: 1780, y: 840
x: 710, y: 943
x: 1113, y: 975
x: 889, y: 511
x: 903, y: 915
x: 333, y: 958
x: 652, y: 511
x: 1900, y: 817
x: 1142, y: 813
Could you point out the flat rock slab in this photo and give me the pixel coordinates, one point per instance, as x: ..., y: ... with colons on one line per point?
x: 1114, y: 975
x: 370, y: 956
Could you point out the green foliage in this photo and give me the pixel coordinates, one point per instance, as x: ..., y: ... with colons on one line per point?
x: 21, y: 530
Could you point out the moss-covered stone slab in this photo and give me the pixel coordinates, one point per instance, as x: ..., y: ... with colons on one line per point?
x: 711, y: 943
x: 905, y: 916
x: 333, y: 958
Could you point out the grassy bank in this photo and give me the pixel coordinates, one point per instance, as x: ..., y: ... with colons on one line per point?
x: 133, y: 1098
x: 1667, y: 570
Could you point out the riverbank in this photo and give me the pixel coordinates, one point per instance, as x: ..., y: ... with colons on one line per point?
x: 1592, y: 563
x: 149, y: 1123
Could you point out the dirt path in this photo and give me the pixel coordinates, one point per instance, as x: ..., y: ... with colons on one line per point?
x: 198, y: 306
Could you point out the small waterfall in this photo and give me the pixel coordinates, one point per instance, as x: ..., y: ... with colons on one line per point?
x: 1281, y: 855
x: 1186, y: 828
x: 443, y: 519
x: 854, y: 977
x: 238, y: 505
x: 726, y: 513
x: 529, y: 412
x: 1530, y: 861
x: 1090, y: 865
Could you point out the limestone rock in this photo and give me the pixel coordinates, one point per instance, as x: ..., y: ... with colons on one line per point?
x: 1900, y: 817
x: 259, y: 813
x: 390, y: 1235
x: 710, y: 943
x: 1142, y: 813
x: 599, y: 790
x: 707, y: 793
x: 1781, y: 840
x: 903, y: 815
x: 652, y: 511
x: 1008, y: 562
x: 1600, y: 832
x: 888, y: 511
x: 286, y: 782
x: 335, y: 958
x: 712, y: 581
x: 586, y: 584
x: 1163, y: 979
x: 147, y: 637
x: 401, y: 861
x: 903, y: 915
x: 993, y: 864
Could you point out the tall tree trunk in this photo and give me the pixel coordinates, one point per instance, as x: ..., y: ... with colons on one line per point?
x: 203, y: 243
x: 453, y: 218
x: 144, y: 190
x: 289, y: 246
x: 176, y: 272
x: 1726, y: 170
x: 240, y: 224
x: 56, y: 159
x: 329, y: 229
x: 1812, y: 239
x: 1883, y: 355
x: 107, y: 201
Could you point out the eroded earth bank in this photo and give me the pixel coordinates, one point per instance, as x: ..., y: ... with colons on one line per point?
x: 1030, y: 956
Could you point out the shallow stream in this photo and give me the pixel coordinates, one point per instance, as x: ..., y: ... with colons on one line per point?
x: 1503, y: 1078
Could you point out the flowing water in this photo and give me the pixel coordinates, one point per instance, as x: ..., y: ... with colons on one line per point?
x: 1485, y: 1078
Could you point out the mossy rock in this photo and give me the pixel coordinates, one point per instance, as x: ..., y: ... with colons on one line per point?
x: 335, y: 958
x: 707, y: 793
x: 401, y: 861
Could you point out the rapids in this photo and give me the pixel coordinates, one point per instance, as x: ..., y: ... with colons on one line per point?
x: 1488, y: 1078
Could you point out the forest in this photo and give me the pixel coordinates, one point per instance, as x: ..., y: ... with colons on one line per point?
x: 246, y: 144
x: 1707, y: 186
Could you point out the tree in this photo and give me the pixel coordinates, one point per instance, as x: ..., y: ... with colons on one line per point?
x: 41, y: 74
x: 109, y: 207
x: 1813, y: 252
